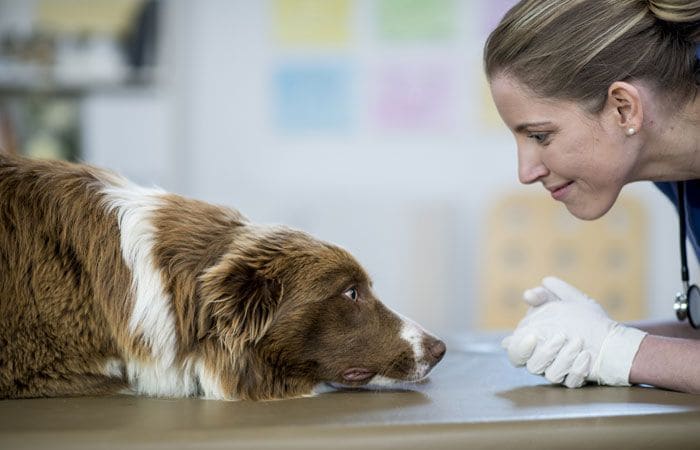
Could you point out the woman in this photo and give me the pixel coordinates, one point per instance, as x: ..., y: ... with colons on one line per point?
x: 600, y: 94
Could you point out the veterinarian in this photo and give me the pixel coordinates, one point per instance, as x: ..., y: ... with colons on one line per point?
x: 600, y: 94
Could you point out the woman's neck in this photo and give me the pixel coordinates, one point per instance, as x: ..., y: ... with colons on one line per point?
x: 672, y: 147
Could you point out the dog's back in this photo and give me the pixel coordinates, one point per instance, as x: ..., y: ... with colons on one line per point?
x: 49, y: 315
x: 93, y: 297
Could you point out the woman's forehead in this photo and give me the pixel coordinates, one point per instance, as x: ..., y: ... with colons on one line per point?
x: 519, y: 106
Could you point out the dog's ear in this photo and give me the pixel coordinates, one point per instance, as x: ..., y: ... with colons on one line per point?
x: 238, y: 302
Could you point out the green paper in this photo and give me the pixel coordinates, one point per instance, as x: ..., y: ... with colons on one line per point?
x: 416, y: 19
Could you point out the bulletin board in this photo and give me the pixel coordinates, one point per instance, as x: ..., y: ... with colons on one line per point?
x: 324, y: 80
x: 530, y: 236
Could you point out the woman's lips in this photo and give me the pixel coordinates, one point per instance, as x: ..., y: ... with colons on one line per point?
x: 561, y: 192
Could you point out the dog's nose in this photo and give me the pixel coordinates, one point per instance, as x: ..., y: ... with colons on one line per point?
x: 436, y: 350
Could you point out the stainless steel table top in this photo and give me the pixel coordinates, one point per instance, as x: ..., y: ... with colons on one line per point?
x: 473, y: 399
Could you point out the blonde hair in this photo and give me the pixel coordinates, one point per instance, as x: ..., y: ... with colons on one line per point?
x: 575, y: 49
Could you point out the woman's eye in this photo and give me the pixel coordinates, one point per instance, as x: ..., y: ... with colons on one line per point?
x: 540, y: 138
x: 351, y: 294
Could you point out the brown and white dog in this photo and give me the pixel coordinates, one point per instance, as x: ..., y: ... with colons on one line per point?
x: 106, y: 286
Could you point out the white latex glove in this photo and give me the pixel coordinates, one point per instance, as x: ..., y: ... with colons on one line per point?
x: 561, y: 360
x: 569, y: 338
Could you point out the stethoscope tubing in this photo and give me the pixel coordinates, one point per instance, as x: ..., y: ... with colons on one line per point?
x: 682, y: 234
x: 689, y: 295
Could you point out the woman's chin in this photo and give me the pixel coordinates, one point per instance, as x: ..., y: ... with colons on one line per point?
x: 588, y: 210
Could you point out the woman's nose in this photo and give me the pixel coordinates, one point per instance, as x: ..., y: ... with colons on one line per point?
x: 530, y: 166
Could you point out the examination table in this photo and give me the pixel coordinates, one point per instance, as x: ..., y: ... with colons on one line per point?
x: 473, y: 399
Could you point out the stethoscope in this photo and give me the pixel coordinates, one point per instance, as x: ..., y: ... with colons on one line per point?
x: 687, y: 302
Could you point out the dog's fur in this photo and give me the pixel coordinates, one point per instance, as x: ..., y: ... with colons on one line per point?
x: 109, y: 287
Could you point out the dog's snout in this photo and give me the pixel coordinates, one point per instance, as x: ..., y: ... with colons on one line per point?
x: 436, y: 350
x: 428, y: 350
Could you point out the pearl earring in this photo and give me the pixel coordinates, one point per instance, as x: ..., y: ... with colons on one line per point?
x: 631, y: 131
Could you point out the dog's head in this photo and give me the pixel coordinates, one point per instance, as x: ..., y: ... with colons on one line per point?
x: 290, y: 312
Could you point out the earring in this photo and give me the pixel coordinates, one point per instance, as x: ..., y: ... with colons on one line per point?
x: 631, y: 131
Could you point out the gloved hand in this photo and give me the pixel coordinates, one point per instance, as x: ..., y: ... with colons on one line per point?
x: 569, y: 338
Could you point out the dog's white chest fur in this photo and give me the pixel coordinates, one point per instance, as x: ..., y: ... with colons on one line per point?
x: 189, y: 380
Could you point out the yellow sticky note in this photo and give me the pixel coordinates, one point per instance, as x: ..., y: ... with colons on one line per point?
x: 312, y: 22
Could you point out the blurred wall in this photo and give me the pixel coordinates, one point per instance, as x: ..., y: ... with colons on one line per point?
x: 396, y: 155
x: 407, y: 198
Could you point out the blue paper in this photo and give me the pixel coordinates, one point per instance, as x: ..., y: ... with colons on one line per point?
x: 313, y: 97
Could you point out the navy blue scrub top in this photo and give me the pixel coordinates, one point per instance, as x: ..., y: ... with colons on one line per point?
x: 692, y: 207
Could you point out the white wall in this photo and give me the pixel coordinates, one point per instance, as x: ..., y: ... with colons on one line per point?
x: 401, y: 202
x: 409, y: 205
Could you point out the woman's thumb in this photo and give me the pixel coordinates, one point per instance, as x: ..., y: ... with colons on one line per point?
x: 538, y: 296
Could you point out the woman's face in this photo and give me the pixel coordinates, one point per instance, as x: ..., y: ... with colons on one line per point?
x: 582, y: 159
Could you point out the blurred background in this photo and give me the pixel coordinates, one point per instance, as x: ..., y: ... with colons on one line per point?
x: 367, y: 123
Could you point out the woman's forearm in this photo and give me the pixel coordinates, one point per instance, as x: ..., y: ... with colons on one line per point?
x: 668, y: 328
x: 669, y: 363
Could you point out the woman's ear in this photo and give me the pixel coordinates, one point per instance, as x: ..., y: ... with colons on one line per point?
x: 624, y: 104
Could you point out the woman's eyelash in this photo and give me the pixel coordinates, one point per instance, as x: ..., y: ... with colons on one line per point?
x: 540, y: 138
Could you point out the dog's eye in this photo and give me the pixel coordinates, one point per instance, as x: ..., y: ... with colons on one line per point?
x: 351, y: 293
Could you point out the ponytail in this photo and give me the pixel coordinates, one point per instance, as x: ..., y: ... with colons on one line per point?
x: 686, y: 14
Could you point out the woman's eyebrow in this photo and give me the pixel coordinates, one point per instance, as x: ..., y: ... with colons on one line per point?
x: 523, y: 126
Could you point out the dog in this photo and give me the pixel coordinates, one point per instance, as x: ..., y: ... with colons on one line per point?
x: 107, y: 287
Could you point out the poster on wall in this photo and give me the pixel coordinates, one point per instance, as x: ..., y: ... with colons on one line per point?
x: 312, y: 97
x: 416, y: 19
x: 312, y: 22
x: 418, y: 96
x: 323, y: 81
